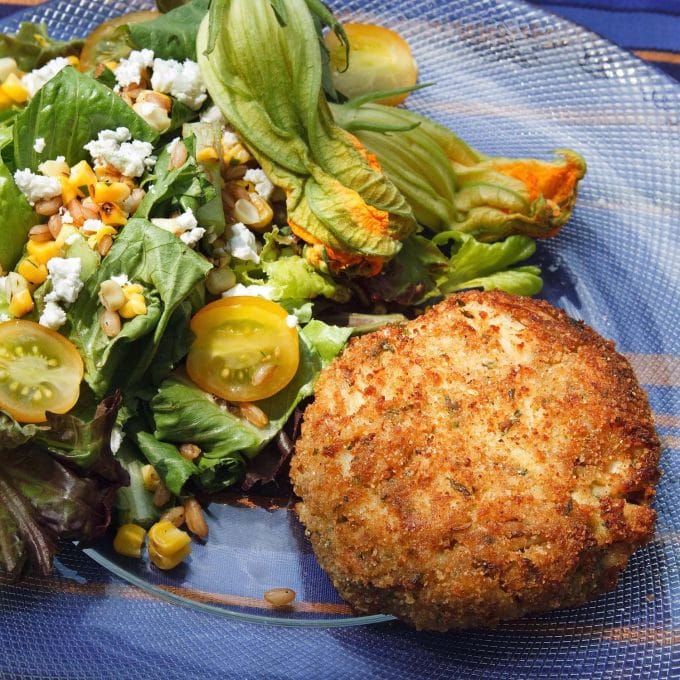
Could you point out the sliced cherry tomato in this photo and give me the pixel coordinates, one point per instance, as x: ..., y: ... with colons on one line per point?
x: 105, y: 43
x: 40, y: 371
x: 244, y: 348
x: 379, y: 60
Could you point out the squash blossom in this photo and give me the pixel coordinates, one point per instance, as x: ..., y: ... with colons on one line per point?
x: 262, y: 65
x: 452, y: 186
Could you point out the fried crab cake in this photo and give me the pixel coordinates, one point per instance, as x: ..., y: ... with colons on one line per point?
x: 490, y: 459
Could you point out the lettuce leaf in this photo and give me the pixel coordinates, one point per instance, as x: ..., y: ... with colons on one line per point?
x: 182, y: 412
x: 169, y: 272
x: 68, y: 112
x: 31, y: 46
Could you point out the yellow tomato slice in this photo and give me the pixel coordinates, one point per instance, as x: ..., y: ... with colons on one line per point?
x: 103, y: 44
x: 244, y: 348
x: 379, y: 60
x: 40, y: 371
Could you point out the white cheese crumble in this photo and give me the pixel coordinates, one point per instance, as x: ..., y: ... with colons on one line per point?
x: 181, y: 80
x: 120, y: 279
x: 72, y: 238
x: 34, y: 80
x: 291, y: 321
x: 263, y: 185
x: 266, y: 292
x: 230, y: 138
x: 92, y: 226
x: 39, y: 145
x: 212, y: 115
x: 64, y: 273
x: 241, y: 243
x: 129, y: 70
x: 113, y: 147
x: 4, y: 317
x: 184, y: 226
x: 53, y: 316
x: 65, y: 215
x: 192, y: 236
x: 36, y: 187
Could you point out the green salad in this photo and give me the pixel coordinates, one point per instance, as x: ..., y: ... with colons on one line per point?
x: 199, y: 207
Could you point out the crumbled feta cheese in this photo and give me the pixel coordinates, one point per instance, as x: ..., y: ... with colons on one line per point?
x: 92, y: 226
x: 66, y: 217
x: 183, y: 81
x: 53, y: 316
x: 116, y: 438
x: 212, y: 115
x: 4, y: 317
x: 192, y: 236
x: 129, y: 70
x: 266, y: 292
x: 187, y: 220
x: 263, y: 185
x: 153, y: 114
x: 241, y: 242
x: 72, y: 238
x: 39, y: 145
x: 113, y: 147
x: 291, y: 321
x: 34, y: 80
x: 36, y: 187
x: 120, y: 279
x: 230, y: 138
x: 64, y: 273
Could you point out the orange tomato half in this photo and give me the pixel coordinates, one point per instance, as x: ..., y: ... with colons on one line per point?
x: 244, y: 349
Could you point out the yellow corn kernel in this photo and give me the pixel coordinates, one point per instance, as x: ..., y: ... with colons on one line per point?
x: 131, y: 289
x: 111, y: 65
x: 34, y: 272
x: 207, y: 155
x: 150, y: 477
x: 54, y: 169
x: 69, y: 191
x: 168, y: 545
x: 42, y: 251
x: 73, y: 60
x: 110, y: 192
x: 234, y: 154
x: 168, y: 561
x: 14, y: 89
x: 129, y: 540
x: 5, y: 101
x: 112, y: 214
x: 21, y: 304
x: 96, y: 238
x: 82, y: 175
x: 135, y: 306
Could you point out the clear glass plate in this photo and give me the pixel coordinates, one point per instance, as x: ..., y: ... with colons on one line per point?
x: 514, y: 81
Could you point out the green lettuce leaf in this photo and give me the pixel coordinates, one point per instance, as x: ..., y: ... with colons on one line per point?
x: 134, y: 504
x: 17, y: 218
x: 182, y: 412
x: 169, y: 272
x: 68, y: 112
x: 31, y: 46
x: 172, y: 35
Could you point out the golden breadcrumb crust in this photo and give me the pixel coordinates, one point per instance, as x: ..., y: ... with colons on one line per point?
x: 489, y: 459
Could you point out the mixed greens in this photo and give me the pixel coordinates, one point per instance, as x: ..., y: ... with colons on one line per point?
x: 195, y: 220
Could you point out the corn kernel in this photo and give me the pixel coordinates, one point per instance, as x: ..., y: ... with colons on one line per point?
x: 69, y: 191
x: 129, y: 540
x: 54, y: 168
x: 42, y: 251
x: 167, y: 538
x: 73, y: 60
x: 96, y: 238
x: 207, y: 155
x: 168, y: 561
x: 34, y: 272
x: 150, y: 477
x: 5, y: 101
x: 113, y: 192
x: 21, y: 304
x: 113, y: 214
x: 14, y: 89
x: 234, y: 154
x: 132, y: 288
x: 82, y: 175
x: 135, y: 306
